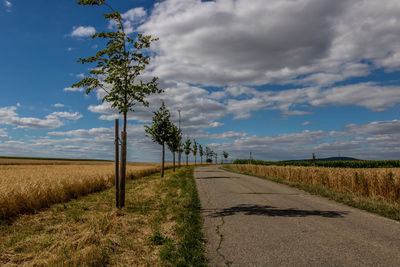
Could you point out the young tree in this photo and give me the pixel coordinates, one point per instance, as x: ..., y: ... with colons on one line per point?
x: 216, y: 157
x: 118, y: 69
x: 180, y: 151
x: 225, y: 154
x: 160, y: 130
x: 209, y: 154
x: 201, y: 153
x: 174, y: 141
x: 194, y: 150
x: 186, y: 148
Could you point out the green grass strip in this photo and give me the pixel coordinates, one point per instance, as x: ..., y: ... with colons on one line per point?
x: 188, y: 250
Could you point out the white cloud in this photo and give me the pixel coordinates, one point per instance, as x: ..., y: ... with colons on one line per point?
x: 85, y: 133
x: 375, y: 128
x: 58, y: 105
x: 69, y: 49
x: 86, y: 143
x: 306, y: 123
x: 7, y: 3
x: 198, y: 109
x: 73, y: 89
x: 80, y: 75
x: 374, y: 140
x: 3, y: 134
x: 8, y: 116
x: 222, y: 136
x: 369, y: 95
x: 68, y: 115
x: 83, y: 31
x: 312, y: 42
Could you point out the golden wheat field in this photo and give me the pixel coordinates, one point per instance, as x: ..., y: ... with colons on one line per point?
x: 383, y: 184
x: 27, y: 186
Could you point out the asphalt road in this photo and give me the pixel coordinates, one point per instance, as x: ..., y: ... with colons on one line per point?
x: 249, y: 221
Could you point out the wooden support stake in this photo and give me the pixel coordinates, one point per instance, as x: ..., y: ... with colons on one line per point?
x: 162, y: 160
x: 122, y: 170
x: 117, y: 163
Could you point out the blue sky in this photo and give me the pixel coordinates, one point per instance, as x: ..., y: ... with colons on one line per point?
x: 282, y: 80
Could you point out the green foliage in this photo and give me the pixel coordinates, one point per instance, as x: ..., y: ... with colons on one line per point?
x: 161, y: 128
x: 174, y: 139
x: 209, y: 154
x: 331, y: 164
x: 201, y: 152
x: 158, y: 239
x: 225, y: 154
x: 90, y: 2
x: 194, y: 148
x: 119, y: 65
x: 186, y: 146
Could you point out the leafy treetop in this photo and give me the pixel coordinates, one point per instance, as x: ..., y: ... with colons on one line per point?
x: 119, y: 65
x: 201, y: 152
x: 174, y: 139
x: 186, y: 146
x: 194, y: 147
x: 160, y: 130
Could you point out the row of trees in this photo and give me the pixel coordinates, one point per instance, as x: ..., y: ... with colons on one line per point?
x: 166, y: 133
x: 117, y: 70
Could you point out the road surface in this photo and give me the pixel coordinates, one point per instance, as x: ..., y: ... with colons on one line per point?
x: 249, y: 221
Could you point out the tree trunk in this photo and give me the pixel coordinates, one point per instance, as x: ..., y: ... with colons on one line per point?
x: 187, y: 160
x: 195, y: 160
x: 117, y: 163
x: 179, y: 158
x: 201, y: 160
x: 162, y: 160
x: 173, y: 161
x: 122, y: 169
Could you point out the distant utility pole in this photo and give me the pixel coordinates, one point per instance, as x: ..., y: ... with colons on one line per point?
x: 250, y: 158
x: 180, y: 144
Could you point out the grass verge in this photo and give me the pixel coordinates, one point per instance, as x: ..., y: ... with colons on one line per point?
x: 389, y: 210
x: 160, y: 226
x: 188, y: 248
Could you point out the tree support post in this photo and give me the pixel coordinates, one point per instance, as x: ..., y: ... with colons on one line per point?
x: 122, y: 170
x: 173, y: 156
x: 117, y: 163
x: 162, y: 160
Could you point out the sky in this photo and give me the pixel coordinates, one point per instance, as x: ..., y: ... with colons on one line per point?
x: 281, y: 79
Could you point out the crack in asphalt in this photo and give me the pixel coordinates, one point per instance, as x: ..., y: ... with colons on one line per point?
x: 221, y: 238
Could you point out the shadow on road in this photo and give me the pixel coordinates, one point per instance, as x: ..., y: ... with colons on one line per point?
x: 214, y: 177
x: 273, y: 211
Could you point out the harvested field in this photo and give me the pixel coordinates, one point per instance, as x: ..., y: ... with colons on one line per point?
x: 27, y: 188
x: 160, y: 226
x: 380, y: 184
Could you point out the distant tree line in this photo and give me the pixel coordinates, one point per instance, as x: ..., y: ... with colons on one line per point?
x: 165, y: 133
x: 332, y: 164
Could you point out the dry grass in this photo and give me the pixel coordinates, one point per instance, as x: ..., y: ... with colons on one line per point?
x: 160, y: 226
x: 27, y: 188
x: 90, y: 231
x: 380, y: 184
